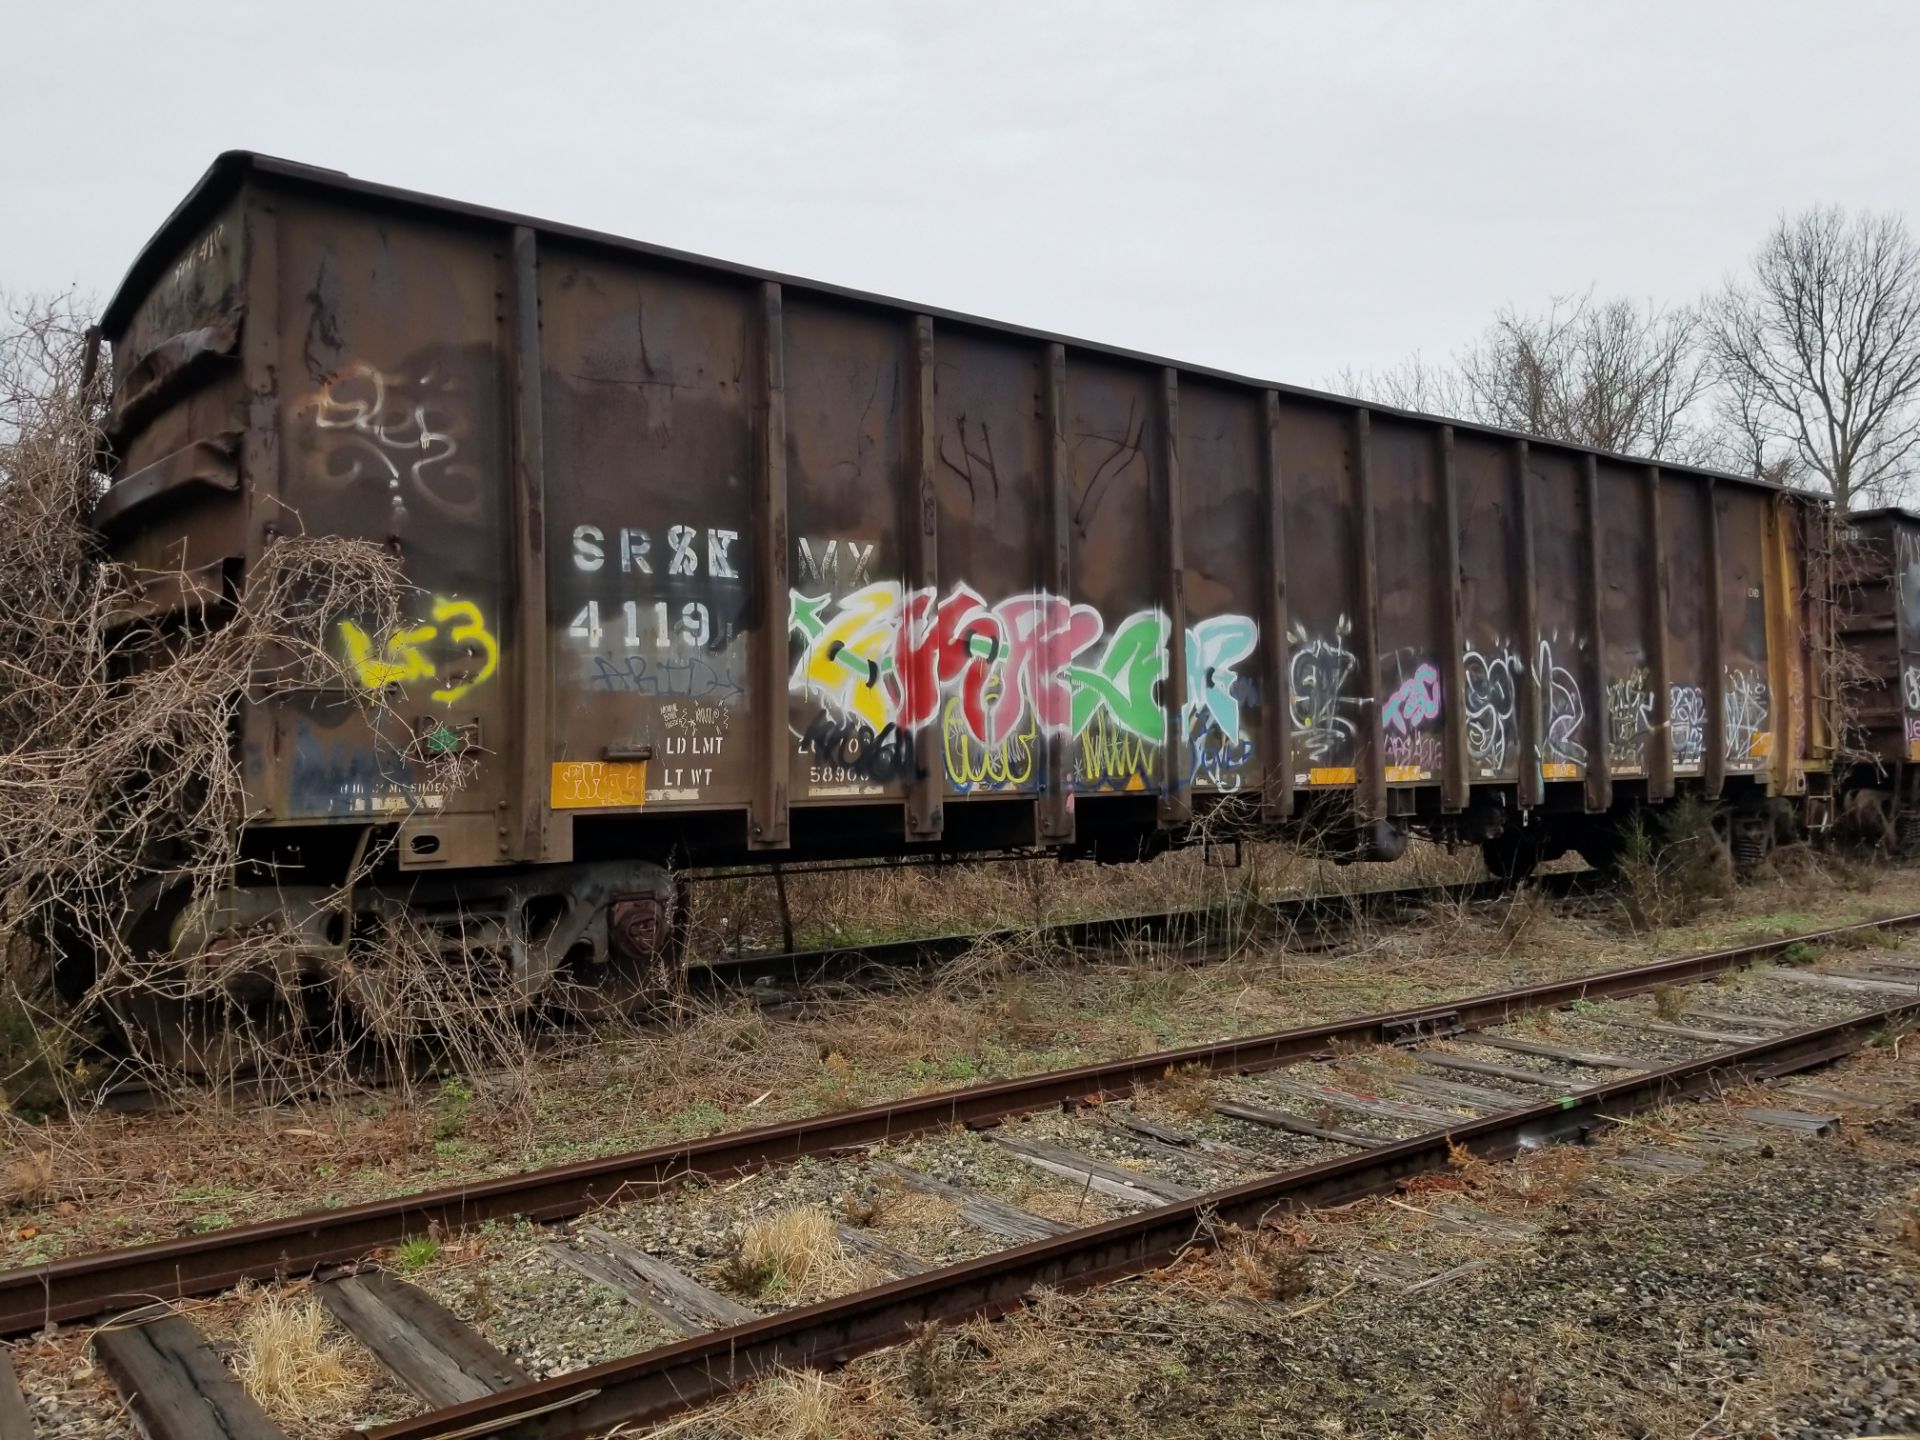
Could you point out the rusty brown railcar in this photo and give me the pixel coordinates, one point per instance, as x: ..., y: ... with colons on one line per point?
x: 1877, y: 618
x: 716, y: 565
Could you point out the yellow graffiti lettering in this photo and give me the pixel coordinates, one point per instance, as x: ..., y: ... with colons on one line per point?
x: 971, y: 763
x: 1112, y: 756
x: 403, y: 658
x: 471, y: 631
x: 850, y: 655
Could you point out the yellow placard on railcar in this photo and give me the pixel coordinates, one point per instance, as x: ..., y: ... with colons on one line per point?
x: 598, y: 784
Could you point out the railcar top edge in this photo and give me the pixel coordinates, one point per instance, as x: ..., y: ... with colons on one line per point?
x: 231, y: 168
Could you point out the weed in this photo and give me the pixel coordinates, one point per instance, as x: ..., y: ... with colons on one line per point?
x: 1264, y: 1264
x: 451, y: 1106
x: 1674, y: 864
x: 1187, y: 1090
x: 288, y: 1363
x: 416, y: 1254
x: 1510, y: 1404
x: 1799, y: 953
x: 38, y: 1048
x: 29, y: 1179
x: 785, y: 1251
x: 1474, y: 1171
x: 1669, y: 1001
x: 480, y: 1306
x: 929, y: 1370
x: 703, y: 1117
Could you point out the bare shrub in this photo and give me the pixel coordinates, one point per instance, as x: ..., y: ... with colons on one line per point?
x: 1671, y: 865
x: 122, y: 796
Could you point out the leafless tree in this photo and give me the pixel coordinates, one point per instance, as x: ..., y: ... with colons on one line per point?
x: 1614, y: 375
x: 1817, y: 351
x: 1413, y: 384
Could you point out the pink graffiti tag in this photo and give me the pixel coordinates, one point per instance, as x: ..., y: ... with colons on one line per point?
x: 1416, y: 701
x: 1042, y: 632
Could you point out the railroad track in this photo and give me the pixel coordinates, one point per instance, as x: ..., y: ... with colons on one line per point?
x: 1189, y: 926
x: 1282, y: 1129
x: 787, y: 978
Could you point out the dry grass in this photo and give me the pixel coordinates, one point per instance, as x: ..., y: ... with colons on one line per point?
x: 1669, y: 1001
x: 897, y: 1210
x: 1188, y: 1090
x: 29, y: 1178
x: 793, y: 1405
x: 740, y: 911
x: 731, y: 1064
x: 1264, y: 1264
x: 793, y: 1250
x: 290, y: 1363
x: 1508, y: 1402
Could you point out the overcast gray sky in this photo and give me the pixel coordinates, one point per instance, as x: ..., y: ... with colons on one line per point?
x: 1276, y: 188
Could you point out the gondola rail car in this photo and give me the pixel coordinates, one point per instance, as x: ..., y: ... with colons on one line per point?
x: 717, y: 566
x: 1877, y: 619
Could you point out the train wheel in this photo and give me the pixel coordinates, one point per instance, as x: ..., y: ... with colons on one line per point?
x: 644, y: 974
x: 187, y: 1017
x: 1513, y: 854
x: 1603, y: 845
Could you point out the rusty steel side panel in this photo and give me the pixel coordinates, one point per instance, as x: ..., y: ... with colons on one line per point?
x: 1692, y: 656
x: 179, y: 411
x: 1328, y: 691
x: 392, y: 413
x: 856, y: 699
x: 1626, y: 583
x: 1568, y: 705
x: 1903, y: 553
x: 648, y: 466
x: 1117, y: 630
x: 1408, y: 531
x: 990, y: 465
x: 1492, y: 623
x: 1222, y: 442
x: 1878, y: 623
x: 1747, y: 692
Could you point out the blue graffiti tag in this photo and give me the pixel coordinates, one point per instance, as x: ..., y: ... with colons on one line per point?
x: 690, y: 679
x: 1214, y: 647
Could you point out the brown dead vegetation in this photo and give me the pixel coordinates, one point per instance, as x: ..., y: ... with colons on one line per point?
x: 291, y: 1363
x: 789, y: 1251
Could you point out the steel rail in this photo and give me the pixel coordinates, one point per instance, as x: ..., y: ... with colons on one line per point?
x: 1187, y: 924
x: 723, y: 975
x: 85, y: 1285
x: 659, y: 1383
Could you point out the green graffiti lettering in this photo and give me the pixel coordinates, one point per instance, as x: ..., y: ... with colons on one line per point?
x: 1124, y: 682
